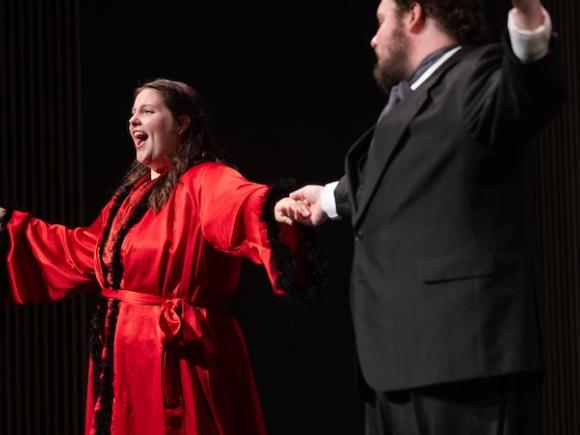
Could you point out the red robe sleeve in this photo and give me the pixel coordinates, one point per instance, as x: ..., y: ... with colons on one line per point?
x: 233, y: 214
x: 47, y: 262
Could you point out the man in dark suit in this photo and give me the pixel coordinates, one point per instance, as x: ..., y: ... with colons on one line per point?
x: 446, y: 300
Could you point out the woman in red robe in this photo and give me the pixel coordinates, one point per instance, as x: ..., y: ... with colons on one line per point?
x: 167, y: 357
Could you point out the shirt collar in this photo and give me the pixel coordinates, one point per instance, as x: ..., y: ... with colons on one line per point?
x: 430, y: 64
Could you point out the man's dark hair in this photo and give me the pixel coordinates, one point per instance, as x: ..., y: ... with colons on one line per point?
x: 462, y: 19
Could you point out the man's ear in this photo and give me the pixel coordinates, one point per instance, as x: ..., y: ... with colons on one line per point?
x: 183, y: 123
x: 416, y: 18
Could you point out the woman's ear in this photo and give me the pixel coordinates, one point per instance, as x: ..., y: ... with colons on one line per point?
x: 183, y: 123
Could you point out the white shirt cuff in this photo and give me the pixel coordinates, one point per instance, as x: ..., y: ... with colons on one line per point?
x: 327, y: 202
x: 530, y: 45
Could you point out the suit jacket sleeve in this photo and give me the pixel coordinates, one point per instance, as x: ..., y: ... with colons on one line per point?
x: 341, y: 198
x: 507, y: 100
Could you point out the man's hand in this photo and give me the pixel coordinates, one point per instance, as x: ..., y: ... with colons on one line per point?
x: 311, y: 195
x: 529, y: 15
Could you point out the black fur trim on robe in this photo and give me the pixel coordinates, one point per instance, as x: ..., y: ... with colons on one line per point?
x: 314, y: 268
x: 4, y: 246
x: 104, y: 414
x: 107, y: 312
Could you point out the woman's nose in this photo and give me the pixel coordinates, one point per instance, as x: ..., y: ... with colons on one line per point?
x: 134, y: 119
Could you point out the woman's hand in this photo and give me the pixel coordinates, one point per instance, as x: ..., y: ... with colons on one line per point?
x: 2, y: 216
x: 288, y: 211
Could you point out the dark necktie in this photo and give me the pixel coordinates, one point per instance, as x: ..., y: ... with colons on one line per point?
x: 397, y: 94
x: 402, y: 90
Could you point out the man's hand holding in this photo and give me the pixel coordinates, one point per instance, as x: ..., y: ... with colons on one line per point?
x: 310, y: 195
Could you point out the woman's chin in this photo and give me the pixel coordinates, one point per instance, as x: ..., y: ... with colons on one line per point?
x: 144, y: 159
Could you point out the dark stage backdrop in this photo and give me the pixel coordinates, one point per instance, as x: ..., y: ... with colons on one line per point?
x: 290, y: 88
x: 42, y: 347
x: 558, y: 210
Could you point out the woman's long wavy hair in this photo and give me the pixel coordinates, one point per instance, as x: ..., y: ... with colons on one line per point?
x: 197, y: 142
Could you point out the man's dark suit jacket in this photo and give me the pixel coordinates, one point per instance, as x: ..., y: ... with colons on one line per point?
x: 445, y: 273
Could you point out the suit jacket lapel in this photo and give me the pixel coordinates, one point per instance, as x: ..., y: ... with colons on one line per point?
x: 388, y: 133
x: 353, y: 156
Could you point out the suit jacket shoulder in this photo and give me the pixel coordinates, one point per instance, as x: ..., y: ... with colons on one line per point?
x: 504, y: 99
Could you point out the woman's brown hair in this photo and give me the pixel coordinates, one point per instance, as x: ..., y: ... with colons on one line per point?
x: 197, y: 143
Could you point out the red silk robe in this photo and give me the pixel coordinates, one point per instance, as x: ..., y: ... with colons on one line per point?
x: 179, y: 360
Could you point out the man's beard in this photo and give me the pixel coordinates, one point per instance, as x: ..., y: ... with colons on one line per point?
x: 390, y: 71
